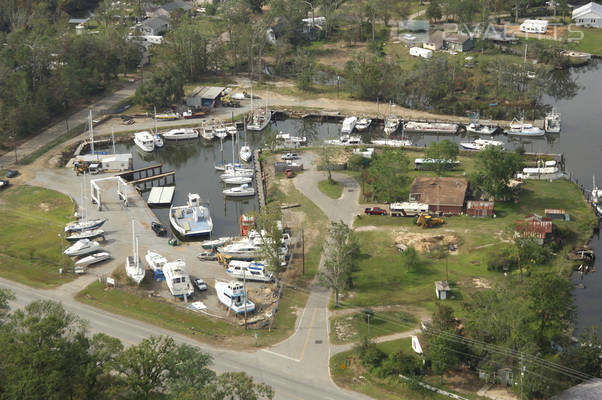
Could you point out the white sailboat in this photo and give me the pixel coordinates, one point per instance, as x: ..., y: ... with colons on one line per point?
x: 234, y: 296
x: 93, y: 259
x: 155, y: 260
x: 237, y: 180
x: 259, y: 119
x: 144, y: 141
x: 133, y: 267
x: 158, y: 139
x: 81, y: 247
x: 244, y: 190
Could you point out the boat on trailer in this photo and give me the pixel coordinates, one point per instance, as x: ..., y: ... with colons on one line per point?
x: 93, y: 259
x: 81, y: 247
x: 88, y: 234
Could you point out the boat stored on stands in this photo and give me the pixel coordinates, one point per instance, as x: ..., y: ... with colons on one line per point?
x: 178, y: 279
x: 85, y: 225
x: 234, y: 296
x: 243, y: 249
x: 155, y: 260
x: 88, y: 234
x: 249, y: 270
x: 93, y: 259
x: 81, y: 247
x: 134, y: 269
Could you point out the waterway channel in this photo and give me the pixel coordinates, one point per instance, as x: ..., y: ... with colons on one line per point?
x: 580, y: 141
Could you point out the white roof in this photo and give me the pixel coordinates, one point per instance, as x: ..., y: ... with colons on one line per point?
x: 592, y: 7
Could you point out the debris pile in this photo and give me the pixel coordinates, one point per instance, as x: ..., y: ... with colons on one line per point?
x: 424, y: 242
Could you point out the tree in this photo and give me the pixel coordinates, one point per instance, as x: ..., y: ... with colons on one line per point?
x: 189, y: 370
x: 388, y: 173
x: 433, y: 11
x: 494, y: 169
x: 445, y: 152
x: 268, y: 222
x: 5, y: 296
x: 327, y: 154
x: 529, y: 252
x: 271, y: 138
x: 340, y: 254
x: 550, y: 297
x: 235, y: 385
x: 443, y: 319
x: 409, y: 257
x: 586, y: 357
x: 165, y: 88
x: 443, y: 351
x: 304, y: 64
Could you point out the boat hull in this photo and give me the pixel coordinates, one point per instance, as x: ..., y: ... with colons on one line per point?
x: 85, y: 225
x: 93, y: 259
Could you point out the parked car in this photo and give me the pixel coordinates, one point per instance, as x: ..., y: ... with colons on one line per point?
x: 289, y: 173
x: 290, y: 156
x: 159, y: 229
x: 375, y: 211
x: 11, y: 173
x: 200, y: 284
x: 4, y: 184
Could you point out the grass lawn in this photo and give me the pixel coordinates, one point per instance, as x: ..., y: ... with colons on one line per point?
x: 380, y: 277
x: 353, y: 327
x: 30, y: 249
x: 591, y: 42
x: 333, y: 190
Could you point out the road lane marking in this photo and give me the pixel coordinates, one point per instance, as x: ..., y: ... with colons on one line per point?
x: 280, y: 355
x: 311, y: 324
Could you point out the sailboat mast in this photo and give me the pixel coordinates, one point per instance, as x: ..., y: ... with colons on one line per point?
x: 113, y: 138
x: 90, y: 128
x: 155, y: 118
x: 133, y: 239
x: 136, y: 256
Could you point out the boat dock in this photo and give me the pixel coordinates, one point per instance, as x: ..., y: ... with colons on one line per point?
x: 142, y: 176
x: 161, y: 196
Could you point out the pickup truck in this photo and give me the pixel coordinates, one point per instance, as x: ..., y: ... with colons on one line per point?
x: 375, y: 211
x: 290, y: 156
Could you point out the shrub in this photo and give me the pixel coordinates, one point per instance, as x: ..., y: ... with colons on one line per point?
x: 504, y: 259
x: 400, y: 363
x: 369, y: 355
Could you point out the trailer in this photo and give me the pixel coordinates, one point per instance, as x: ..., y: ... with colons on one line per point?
x: 408, y: 209
x: 534, y: 26
x: 420, y: 52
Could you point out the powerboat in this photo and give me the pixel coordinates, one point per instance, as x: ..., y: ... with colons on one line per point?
x: 177, y: 279
x: 145, y: 141
x: 234, y: 296
x: 520, y: 128
x: 245, y: 153
x: 181, y: 134
x: 212, y: 244
x: 240, y: 191
x: 158, y: 140
x: 134, y: 269
x: 480, y: 129
x: 222, y: 166
x: 81, y: 247
x: 346, y: 140
x: 232, y: 130
x: 551, y: 123
x: 348, y: 125
x: 249, y: 270
x: 220, y: 132
x: 391, y: 124
x: 237, y: 180
x: 193, y: 219
x: 89, y: 234
x: 93, y: 259
x: 155, y: 260
x: 363, y: 124
x: 480, y: 144
x: 392, y: 142
x: 236, y: 173
x: 244, y: 249
x: 85, y: 225
x: 207, y: 133
x: 207, y: 255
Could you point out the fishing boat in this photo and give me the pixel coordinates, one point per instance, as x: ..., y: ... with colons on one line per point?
x: 87, y: 234
x: 243, y: 249
x: 85, y: 225
x: 81, y: 247
x: 430, y: 127
x: 348, y: 125
x: 133, y: 267
x: 234, y: 296
x: 551, y: 123
x: 232, y: 130
x: 237, y: 180
x: 193, y: 219
x: 363, y: 124
x: 244, y: 190
x: 520, y: 128
x: 392, y: 124
x: 181, y: 134
x: 213, y: 244
x: 245, y: 153
x: 249, y: 270
x: 177, y: 279
x: 220, y: 132
x: 93, y: 259
x: 155, y: 260
x: 480, y: 144
x: 481, y: 129
x: 207, y: 132
x: 392, y: 142
x: 144, y: 140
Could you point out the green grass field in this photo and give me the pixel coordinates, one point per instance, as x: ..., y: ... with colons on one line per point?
x: 591, y: 42
x: 381, y: 324
x: 333, y: 190
x: 30, y: 249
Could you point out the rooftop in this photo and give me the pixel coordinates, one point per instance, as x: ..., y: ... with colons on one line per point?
x: 591, y: 390
x: 586, y: 9
x: 479, y: 205
x: 207, y: 92
x: 442, y: 286
x: 445, y: 191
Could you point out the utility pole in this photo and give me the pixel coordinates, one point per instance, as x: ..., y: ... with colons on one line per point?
x: 522, y: 374
x: 303, y: 250
x: 244, y: 286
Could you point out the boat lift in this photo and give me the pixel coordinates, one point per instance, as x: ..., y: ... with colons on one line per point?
x: 96, y: 191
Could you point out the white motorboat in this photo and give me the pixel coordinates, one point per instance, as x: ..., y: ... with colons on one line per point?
x: 234, y: 296
x: 145, y: 141
x: 220, y: 132
x: 430, y: 127
x: 249, y: 270
x: 81, y: 247
x: 134, y: 269
x: 392, y: 142
x: 222, y: 166
x: 596, y: 193
x: 157, y: 139
x: 89, y: 234
x: 480, y: 144
x: 237, y: 180
x: 215, y: 243
x: 363, y: 124
x: 551, y: 123
x: 155, y: 260
x: 207, y: 133
x: 193, y: 219
x: 85, y: 225
x: 481, y: 129
x: 520, y: 128
x: 181, y: 134
x: 245, y: 153
x: 232, y: 130
x: 346, y: 140
x: 244, y: 190
x: 93, y: 259
x: 243, y: 249
x: 177, y: 279
x: 392, y: 124
x: 237, y: 173
x: 348, y: 125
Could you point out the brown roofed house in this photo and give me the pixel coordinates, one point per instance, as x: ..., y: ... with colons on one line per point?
x: 444, y: 195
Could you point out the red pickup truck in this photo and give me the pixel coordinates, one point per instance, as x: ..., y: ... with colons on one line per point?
x: 375, y: 211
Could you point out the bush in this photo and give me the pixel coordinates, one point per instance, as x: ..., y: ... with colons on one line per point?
x: 504, y: 259
x: 369, y: 355
x: 400, y: 363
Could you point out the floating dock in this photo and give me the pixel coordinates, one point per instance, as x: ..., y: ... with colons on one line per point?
x: 161, y: 196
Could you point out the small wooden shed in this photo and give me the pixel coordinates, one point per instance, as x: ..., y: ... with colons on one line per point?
x: 442, y: 290
x: 479, y: 208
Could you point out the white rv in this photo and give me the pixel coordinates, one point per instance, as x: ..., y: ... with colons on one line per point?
x: 420, y: 52
x: 408, y: 209
x: 534, y: 26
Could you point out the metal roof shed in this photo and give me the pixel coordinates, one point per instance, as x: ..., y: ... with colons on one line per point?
x: 204, y: 96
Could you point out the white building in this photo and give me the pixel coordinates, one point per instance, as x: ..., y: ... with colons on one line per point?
x: 534, y: 26
x: 588, y: 15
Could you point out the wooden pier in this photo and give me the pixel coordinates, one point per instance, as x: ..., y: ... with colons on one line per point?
x: 141, y: 177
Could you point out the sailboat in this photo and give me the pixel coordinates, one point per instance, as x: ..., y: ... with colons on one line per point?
x: 259, y: 119
x: 158, y: 139
x: 133, y: 267
x: 84, y: 224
